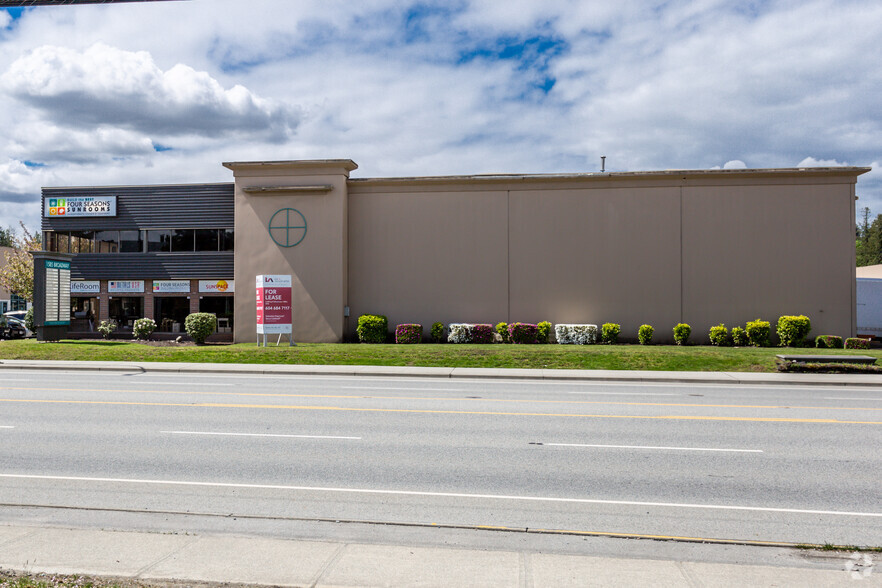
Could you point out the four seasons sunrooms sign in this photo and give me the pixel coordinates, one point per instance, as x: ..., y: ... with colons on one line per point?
x: 79, y: 206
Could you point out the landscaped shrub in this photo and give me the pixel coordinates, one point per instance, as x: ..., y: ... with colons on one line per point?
x: 372, y: 328
x: 200, y: 325
x: 857, y: 343
x: 681, y: 333
x: 575, y: 334
x: 739, y: 337
x: 502, y: 331
x: 437, y: 332
x: 644, y: 334
x: 410, y: 333
x: 793, y: 330
x: 482, y: 333
x: 106, y: 328
x: 609, y: 333
x: 469, y: 333
x: 523, y: 333
x: 459, y: 333
x: 828, y: 342
x: 544, y: 332
x: 720, y: 336
x: 29, y: 320
x: 758, y: 332
x: 143, y: 328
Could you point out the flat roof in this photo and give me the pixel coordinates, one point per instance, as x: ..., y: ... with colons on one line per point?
x: 668, y: 173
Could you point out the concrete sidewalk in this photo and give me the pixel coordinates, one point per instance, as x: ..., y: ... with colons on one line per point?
x: 770, y: 379
x: 283, y: 562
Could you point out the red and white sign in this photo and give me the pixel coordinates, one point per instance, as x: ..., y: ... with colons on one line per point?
x: 274, y: 305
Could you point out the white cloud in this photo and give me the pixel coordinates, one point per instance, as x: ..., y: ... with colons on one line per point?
x: 433, y: 87
x: 107, y: 86
x: 735, y: 164
x: 812, y: 162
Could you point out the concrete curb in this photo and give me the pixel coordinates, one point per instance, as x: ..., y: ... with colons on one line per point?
x: 773, y: 379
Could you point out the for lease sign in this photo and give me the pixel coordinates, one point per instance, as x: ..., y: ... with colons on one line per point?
x: 274, y: 304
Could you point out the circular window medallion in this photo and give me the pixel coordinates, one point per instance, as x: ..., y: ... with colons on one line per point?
x: 287, y: 227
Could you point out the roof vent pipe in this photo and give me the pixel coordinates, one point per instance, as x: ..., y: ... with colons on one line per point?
x: 602, y: 163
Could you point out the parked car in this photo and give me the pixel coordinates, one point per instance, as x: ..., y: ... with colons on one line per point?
x: 11, y: 329
x: 17, y: 318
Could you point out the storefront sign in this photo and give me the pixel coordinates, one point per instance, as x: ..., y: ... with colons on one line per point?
x: 167, y: 286
x: 220, y: 286
x: 79, y: 206
x: 57, y: 288
x: 125, y: 286
x: 81, y: 287
x: 274, y: 305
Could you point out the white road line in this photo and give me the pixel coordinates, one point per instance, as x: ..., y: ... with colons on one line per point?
x: 835, y: 398
x: 258, y: 435
x: 402, y: 389
x: 6, y: 427
x: 440, y: 495
x: 649, y: 447
x: 586, y: 393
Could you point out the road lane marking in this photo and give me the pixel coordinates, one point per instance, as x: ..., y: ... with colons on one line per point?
x: 466, y: 391
x: 447, y: 399
x: 427, y: 411
x: 6, y: 427
x: 259, y: 435
x: 438, y: 494
x: 649, y: 447
x: 871, y: 399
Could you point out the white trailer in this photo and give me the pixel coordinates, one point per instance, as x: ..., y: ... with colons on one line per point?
x: 869, y: 307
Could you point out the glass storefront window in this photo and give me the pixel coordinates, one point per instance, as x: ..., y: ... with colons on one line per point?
x: 63, y: 242
x: 130, y: 242
x: 222, y: 307
x: 125, y: 310
x: 82, y: 241
x: 206, y: 239
x: 226, y: 240
x: 169, y: 312
x: 159, y: 240
x: 83, y: 314
x: 106, y: 241
x: 182, y: 239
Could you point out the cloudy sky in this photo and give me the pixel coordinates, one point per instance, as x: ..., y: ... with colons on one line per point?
x: 163, y: 92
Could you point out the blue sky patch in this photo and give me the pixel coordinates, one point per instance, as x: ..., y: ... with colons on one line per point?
x: 160, y: 148
x: 33, y: 164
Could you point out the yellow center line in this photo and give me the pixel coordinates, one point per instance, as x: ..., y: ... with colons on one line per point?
x: 436, y: 399
x: 464, y: 412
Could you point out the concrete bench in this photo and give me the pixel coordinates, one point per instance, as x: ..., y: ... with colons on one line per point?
x: 866, y: 359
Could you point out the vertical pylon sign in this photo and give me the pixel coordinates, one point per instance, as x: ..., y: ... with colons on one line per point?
x: 274, y: 307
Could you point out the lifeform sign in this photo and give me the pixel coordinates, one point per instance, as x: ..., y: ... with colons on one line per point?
x: 274, y: 305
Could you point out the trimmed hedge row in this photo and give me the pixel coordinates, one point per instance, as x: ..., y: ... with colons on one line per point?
x: 792, y: 331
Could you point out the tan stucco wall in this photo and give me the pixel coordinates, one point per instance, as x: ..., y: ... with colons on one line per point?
x: 697, y: 247
x: 317, y: 265
x: 702, y: 247
x: 754, y: 251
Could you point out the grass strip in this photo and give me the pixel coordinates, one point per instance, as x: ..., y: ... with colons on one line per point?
x: 593, y: 357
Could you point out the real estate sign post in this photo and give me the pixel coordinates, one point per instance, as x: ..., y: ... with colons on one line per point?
x: 274, y: 307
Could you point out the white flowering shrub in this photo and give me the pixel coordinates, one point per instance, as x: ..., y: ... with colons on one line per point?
x: 576, y: 334
x: 459, y: 333
x: 143, y: 328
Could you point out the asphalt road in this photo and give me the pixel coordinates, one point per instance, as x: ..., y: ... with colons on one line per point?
x: 749, y: 463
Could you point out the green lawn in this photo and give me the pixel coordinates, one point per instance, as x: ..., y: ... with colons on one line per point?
x: 606, y: 357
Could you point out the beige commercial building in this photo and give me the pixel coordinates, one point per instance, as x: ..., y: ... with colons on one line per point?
x: 702, y: 247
